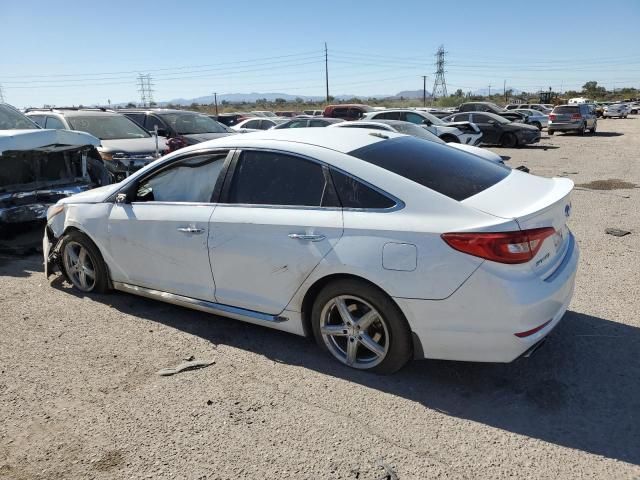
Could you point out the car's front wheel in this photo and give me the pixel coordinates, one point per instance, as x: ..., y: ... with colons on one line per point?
x: 509, y: 140
x: 83, y: 264
x: 361, y: 327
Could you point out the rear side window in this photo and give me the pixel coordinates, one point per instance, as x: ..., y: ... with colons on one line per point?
x: 54, y: 123
x: 355, y: 194
x: 272, y: 178
x: 388, y: 116
x: 446, y: 170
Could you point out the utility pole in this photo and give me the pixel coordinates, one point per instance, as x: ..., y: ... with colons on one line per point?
x: 439, y: 85
x: 326, y: 69
x: 504, y: 89
x: 1, y: 94
x: 424, y: 90
x: 215, y: 101
x: 489, y: 90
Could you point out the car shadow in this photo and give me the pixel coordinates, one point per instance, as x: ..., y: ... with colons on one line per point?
x: 580, y: 390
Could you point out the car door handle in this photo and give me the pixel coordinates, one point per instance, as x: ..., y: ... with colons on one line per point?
x: 190, y: 230
x: 304, y: 236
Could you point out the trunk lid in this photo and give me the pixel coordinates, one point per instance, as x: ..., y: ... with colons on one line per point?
x: 533, y: 202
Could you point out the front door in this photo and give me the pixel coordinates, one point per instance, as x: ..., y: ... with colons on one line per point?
x: 159, y: 239
x: 491, y: 129
x: 275, y: 223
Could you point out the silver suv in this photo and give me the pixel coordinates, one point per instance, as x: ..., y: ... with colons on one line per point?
x: 575, y: 118
x: 124, y: 145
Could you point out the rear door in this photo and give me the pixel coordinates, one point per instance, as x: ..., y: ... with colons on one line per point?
x: 276, y: 220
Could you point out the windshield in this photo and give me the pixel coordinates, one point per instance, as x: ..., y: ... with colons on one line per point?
x: 416, y: 131
x: 433, y: 119
x: 186, y: 123
x: 107, y: 127
x: 11, y: 119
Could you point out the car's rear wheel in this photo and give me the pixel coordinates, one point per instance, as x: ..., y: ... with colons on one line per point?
x: 83, y: 264
x: 361, y: 327
x: 509, y: 140
x: 550, y: 132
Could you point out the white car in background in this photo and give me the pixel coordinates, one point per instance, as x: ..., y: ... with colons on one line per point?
x: 382, y: 246
x: 258, y: 123
x: 620, y: 110
x: 456, y: 132
x: 408, y: 128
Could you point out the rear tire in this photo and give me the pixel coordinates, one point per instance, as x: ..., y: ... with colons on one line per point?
x: 583, y: 130
x: 361, y: 327
x: 82, y: 263
x: 550, y: 132
x: 509, y: 140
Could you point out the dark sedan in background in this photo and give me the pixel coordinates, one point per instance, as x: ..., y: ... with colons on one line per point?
x: 497, y: 130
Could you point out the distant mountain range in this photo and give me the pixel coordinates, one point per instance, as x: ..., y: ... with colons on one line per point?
x: 272, y: 96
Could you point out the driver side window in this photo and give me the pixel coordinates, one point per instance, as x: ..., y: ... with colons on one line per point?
x: 191, y: 181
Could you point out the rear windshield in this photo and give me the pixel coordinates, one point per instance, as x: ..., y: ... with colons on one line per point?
x: 186, y: 123
x: 445, y: 169
x: 566, y: 109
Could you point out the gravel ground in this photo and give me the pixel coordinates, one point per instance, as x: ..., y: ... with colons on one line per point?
x: 80, y: 396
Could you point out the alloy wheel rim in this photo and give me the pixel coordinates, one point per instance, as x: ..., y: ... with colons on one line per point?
x: 79, y: 266
x: 354, y: 331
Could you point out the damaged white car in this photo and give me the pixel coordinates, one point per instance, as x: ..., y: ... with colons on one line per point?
x: 39, y: 167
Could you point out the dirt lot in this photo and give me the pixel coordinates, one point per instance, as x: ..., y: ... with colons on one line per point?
x: 80, y: 396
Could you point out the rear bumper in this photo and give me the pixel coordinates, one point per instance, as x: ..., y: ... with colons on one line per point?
x: 479, y: 321
x: 559, y: 126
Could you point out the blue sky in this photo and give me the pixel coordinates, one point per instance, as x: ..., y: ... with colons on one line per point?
x: 73, y: 52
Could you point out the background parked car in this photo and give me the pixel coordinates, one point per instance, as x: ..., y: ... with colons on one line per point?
x: 578, y: 117
x: 124, y: 145
x: 620, y: 110
x: 187, y: 127
x: 498, y: 130
x: 287, y: 113
x: 462, y: 132
x: 308, y: 122
x: 254, y: 124
x: 419, y: 131
x: 230, y: 119
x: 347, y: 111
x: 535, y: 117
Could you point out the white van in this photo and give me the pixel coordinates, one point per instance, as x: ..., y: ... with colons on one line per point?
x: 577, y: 100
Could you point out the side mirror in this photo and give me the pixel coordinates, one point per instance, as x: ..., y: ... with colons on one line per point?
x: 121, y: 198
x: 426, y: 122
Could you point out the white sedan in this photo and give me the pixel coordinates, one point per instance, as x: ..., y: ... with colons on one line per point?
x: 383, y: 246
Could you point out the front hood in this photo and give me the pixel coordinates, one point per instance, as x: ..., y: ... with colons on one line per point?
x: 133, y: 145
x: 41, y: 138
x: 203, y: 137
x: 96, y: 195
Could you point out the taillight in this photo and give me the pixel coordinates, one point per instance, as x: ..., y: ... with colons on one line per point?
x: 575, y: 116
x: 501, y: 247
x: 552, y: 116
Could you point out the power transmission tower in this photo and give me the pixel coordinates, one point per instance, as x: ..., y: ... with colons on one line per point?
x: 142, y: 88
x: 149, y: 90
x: 440, y: 84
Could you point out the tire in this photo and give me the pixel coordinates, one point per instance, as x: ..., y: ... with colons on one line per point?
x: 450, y: 139
x: 550, y: 132
x: 595, y: 127
x: 79, y: 257
x: 382, y: 325
x: 509, y: 140
x: 583, y: 130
